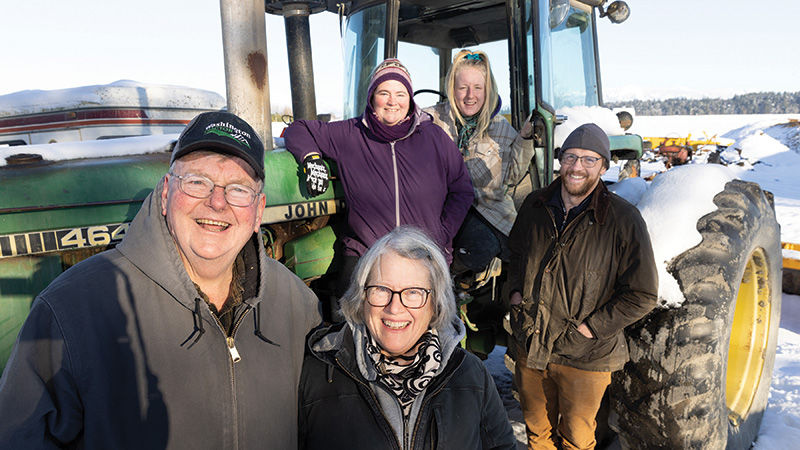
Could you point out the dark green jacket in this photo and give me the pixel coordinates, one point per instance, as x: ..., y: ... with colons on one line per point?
x: 600, y: 271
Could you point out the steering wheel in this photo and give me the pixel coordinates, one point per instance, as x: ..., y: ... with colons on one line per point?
x: 442, y: 96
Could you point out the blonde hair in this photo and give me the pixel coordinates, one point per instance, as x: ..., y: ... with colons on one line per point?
x: 480, y: 61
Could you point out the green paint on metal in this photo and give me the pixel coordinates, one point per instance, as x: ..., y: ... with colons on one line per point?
x: 75, y: 193
x: 627, y: 146
x: 21, y: 280
x: 312, y: 254
x: 285, y: 181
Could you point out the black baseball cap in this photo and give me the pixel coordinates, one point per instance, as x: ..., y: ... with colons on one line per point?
x: 222, y: 132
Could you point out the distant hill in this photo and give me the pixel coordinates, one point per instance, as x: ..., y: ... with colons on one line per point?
x: 755, y: 103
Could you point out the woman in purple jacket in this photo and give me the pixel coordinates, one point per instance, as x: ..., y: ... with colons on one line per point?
x: 397, y: 167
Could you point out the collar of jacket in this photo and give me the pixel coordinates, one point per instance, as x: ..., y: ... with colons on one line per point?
x: 598, y: 204
x: 335, y: 345
x: 418, y: 117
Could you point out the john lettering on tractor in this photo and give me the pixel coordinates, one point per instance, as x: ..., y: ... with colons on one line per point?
x: 186, y: 335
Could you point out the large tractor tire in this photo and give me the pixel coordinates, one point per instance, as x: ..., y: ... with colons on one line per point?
x: 700, y: 373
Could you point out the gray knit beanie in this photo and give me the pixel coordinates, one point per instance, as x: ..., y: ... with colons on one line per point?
x: 589, y: 137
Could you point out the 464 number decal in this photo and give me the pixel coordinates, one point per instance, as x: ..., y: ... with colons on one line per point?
x: 57, y: 240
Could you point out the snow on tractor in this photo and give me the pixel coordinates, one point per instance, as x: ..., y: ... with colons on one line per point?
x: 700, y: 369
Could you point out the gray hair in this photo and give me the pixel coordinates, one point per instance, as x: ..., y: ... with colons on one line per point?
x: 408, y: 242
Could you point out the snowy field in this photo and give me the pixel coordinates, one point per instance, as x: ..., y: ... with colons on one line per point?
x: 766, y: 150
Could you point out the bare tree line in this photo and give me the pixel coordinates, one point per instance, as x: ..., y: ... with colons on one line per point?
x: 754, y: 103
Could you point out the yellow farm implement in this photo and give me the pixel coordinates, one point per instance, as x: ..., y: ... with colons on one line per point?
x: 694, y: 144
x: 791, y: 263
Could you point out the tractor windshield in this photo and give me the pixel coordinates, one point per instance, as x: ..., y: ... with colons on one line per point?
x: 364, y: 44
x: 425, y: 53
x: 573, y: 80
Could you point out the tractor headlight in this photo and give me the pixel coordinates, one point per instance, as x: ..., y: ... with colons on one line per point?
x: 617, y: 12
x: 558, y: 12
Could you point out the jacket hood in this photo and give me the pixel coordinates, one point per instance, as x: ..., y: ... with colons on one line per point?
x: 346, y: 343
x: 497, y: 107
x: 160, y: 260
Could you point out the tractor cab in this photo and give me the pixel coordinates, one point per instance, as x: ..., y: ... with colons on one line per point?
x: 543, y: 54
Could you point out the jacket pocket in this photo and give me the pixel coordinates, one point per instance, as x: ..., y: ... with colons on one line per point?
x: 485, y: 167
x: 519, y: 327
x: 590, y: 294
x: 574, y: 345
x: 434, y: 436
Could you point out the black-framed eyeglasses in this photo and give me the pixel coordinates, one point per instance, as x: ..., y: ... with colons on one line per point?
x: 410, y: 297
x: 198, y: 186
x: 569, y: 159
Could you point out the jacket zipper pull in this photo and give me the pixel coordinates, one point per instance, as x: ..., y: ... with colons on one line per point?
x: 232, y: 348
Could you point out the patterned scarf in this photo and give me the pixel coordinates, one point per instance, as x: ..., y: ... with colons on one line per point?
x: 407, y: 381
x: 465, y: 131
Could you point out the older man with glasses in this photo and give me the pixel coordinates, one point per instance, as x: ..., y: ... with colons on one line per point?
x: 186, y: 335
x: 581, y: 270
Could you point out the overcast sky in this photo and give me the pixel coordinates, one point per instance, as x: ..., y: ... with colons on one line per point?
x: 691, y: 48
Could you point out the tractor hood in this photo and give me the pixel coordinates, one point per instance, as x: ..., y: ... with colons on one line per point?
x: 51, y: 205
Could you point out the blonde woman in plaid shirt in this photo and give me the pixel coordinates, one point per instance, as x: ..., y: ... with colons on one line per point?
x: 497, y: 157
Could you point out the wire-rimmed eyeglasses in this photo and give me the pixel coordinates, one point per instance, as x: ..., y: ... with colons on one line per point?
x: 198, y: 186
x: 410, y: 297
x: 569, y: 159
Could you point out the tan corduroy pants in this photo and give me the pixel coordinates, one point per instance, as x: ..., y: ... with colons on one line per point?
x: 560, y: 405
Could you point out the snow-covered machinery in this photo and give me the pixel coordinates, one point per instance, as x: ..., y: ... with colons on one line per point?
x: 76, y: 164
x: 120, y: 109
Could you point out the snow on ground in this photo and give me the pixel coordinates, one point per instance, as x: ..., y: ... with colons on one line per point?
x: 765, y: 149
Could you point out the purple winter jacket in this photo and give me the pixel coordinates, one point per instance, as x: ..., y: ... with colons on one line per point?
x: 418, y: 180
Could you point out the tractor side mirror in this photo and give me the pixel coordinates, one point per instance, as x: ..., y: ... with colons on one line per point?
x: 617, y: 12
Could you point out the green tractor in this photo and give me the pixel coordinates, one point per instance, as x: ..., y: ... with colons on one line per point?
x: 699, y: 374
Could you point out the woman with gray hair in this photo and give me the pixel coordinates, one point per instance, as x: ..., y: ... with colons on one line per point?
x: 393, y: 374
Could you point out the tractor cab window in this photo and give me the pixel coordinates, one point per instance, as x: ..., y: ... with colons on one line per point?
x: 423, y: 64
x: 364, y: 44
x: 573, y: 81
x: 545, y: 51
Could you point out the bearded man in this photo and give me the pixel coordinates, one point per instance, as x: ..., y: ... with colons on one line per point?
x: 581, y: 270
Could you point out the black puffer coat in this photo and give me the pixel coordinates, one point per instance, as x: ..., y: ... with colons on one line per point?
x: 341, y: 409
